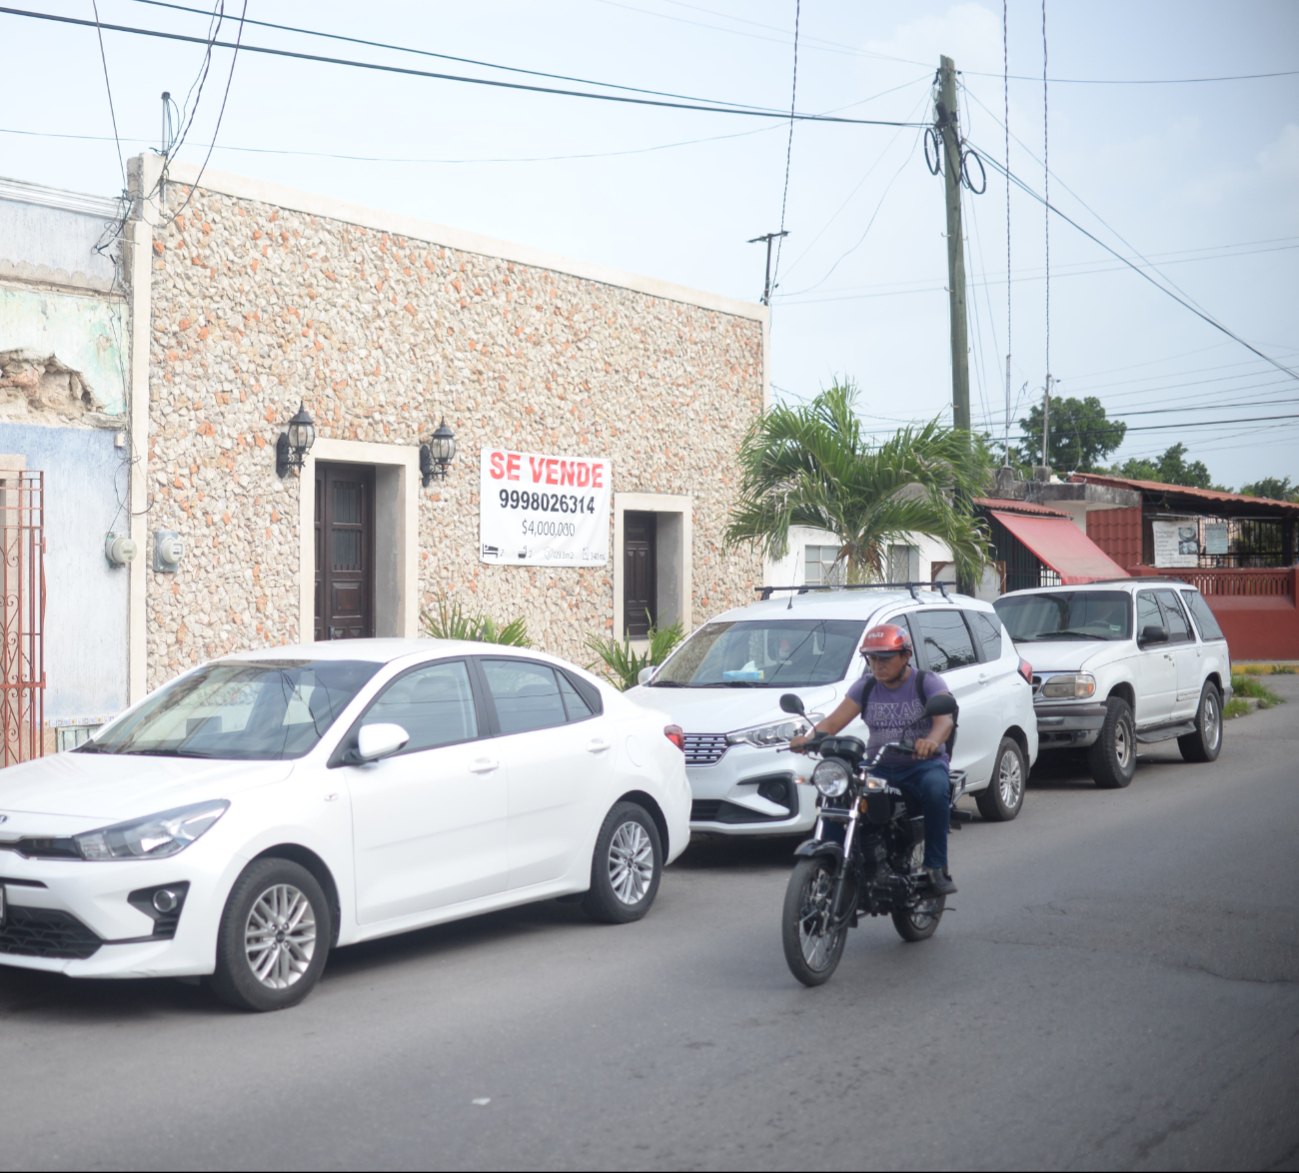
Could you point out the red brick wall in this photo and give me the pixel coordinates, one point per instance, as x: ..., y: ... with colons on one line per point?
x: 1117, y: 532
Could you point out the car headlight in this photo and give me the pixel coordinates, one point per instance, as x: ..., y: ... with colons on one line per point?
x: 153, y: 837
x: 1070, y: 684
x: 776, y: 734
x: 831, y: 777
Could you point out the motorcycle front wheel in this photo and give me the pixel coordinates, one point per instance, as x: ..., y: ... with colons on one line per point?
x: 812, y: 947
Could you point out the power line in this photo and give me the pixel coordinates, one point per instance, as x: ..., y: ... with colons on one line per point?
x: 1138, y: 81
x: 1137, y: 269
x: 108, y: 86
x: 480, y: 81
x: 789, y: 147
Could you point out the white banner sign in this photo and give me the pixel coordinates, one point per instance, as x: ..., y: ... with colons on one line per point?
x: 537, y: 510
x: 1177, y: 543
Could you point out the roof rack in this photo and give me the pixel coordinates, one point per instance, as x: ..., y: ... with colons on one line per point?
x: 913, y: 587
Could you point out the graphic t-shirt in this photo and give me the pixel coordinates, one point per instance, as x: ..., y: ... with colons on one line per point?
x: 898, y: 714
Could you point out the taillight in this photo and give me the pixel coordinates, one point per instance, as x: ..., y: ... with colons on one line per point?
x: 676, y: 735
x: 1026, y: 671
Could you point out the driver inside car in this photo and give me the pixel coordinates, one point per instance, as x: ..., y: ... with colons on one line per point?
x: 893, y: 696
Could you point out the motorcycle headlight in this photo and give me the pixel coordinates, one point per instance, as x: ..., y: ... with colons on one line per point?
x: 831, y: 778
x: 777, y: 734
x: 1070, y: 684
x: 153, y: 837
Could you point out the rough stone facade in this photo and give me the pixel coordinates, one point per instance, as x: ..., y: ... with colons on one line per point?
x: 255, y: 307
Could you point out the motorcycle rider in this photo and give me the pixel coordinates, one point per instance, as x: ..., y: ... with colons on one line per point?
x: 894, y: 711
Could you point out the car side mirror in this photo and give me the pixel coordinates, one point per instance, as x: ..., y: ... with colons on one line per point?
x: 790, y: 703
x: 1152, y: 633
x: 941, y: 704
x: 646, y: 674
x: 379, y: 741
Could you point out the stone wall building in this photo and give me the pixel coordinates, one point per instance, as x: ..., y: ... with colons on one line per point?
x: 248, y: 299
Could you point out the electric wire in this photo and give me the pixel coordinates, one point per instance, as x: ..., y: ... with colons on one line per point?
x: 1140, y: 81
x: 121, y: 162
x: 1005, y: 65
x: 1046, y: 220
x: 789, y: 149
x: 480, y: 81
x: 1137, y: 269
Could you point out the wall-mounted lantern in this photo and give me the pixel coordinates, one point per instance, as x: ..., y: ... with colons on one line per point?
x: 293, y: 445
x: 437, y: 454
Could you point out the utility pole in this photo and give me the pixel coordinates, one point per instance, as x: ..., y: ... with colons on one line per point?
x: 1046, y: 422
x: 766, y: 286
x: 945, y: 123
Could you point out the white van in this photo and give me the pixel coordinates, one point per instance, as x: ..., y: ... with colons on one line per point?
x: 723, y: 687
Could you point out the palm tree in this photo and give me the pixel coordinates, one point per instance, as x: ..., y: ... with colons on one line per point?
x: 811, y: 466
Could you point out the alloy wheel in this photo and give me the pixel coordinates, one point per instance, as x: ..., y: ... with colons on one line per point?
x: 1122, y: 744
x: 1212, y: 721
x: 631, y: 862
x: 1010, y: 781
x: 280, y: 936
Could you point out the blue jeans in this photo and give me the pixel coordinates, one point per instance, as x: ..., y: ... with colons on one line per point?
x: 929, y: 784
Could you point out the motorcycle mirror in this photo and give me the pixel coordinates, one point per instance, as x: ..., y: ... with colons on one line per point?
x: 941, y: 704
x: 790, y: 703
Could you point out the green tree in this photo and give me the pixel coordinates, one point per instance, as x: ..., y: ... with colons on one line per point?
x: 1276, y: 488
x: 1171, y: 468
x: 811, y: 465
x: 1080, y: 434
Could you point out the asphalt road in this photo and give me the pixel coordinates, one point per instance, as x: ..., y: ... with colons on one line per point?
x: 1116, y: 986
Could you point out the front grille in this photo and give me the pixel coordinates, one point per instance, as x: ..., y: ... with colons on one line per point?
x: 45, y: 932
x: 705, y: 749
x: 715, y: 810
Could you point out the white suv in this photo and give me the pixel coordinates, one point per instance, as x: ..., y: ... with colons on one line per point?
x: 1121, y: 664
x: 723, y: 687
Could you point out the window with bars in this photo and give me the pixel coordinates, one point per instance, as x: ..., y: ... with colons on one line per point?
x: 820, y: 568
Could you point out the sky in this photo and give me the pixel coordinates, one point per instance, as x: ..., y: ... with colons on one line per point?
x: 1195, y: 182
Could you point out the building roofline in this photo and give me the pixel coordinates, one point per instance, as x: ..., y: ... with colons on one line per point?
x: 53, y: 197
x: 1027, y: 508
x: 398, y: 224
x: 1183, y: 490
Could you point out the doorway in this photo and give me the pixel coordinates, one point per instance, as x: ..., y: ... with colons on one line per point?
x: 344, y: 551
x: 640, y: 572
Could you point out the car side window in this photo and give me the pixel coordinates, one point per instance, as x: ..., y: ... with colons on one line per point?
x: 945, y: 638
x: 1204, y: 618
x: 434, y: 704
x: 574, y: 703
x: 526, y: 695
x: 1179, y: 627
x: 988, y: 628
x: 1148, y: 614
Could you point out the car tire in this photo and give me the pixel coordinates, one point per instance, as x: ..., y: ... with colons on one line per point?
x: 274, y: 937
x: 1003, y: 798
x: 1113, y: 758
x: 625, y: 868
x: 1205, y: 743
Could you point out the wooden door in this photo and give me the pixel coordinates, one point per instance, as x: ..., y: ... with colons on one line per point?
x: 640, y: 572
x: 344, y: 551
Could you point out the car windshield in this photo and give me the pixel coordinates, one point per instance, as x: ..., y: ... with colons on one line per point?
x: 767, y: 653
x: 1063, y: 615
x: 239, y: 709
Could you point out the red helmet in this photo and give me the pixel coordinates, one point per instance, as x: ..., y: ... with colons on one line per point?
x: 886, y: 639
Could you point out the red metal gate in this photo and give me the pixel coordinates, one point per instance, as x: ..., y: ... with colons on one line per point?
x: 22, y: 616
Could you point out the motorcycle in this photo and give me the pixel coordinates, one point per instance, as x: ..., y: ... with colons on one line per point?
x: 866, y: 854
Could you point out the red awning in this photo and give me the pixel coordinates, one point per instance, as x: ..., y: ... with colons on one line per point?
x: 1063, y: 547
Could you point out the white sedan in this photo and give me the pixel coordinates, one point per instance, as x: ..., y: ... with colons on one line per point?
x: 263, y: 808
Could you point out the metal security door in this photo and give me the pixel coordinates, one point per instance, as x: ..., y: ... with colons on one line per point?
x: 344, y: 551
x: 640, y: 573
x: 22, y: 616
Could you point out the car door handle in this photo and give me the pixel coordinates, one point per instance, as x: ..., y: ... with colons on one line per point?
x: 597, y: 745
x: 484, y: 765
x: 985, y: 679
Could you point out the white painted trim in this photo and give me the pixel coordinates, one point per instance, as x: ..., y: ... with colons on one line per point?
x: 654, y: 503
x: 55, y: 197
x: 404, y: 457
x: 137, y: 246
x: 292, y: 199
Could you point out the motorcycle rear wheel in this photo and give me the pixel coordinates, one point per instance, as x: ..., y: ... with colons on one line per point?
x: 812, y: 952
x: 919, y: 921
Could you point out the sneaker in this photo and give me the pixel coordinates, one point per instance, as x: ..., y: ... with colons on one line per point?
x: 941, y: 881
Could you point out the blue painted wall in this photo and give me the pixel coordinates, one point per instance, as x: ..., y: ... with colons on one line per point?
x: 86, y: 600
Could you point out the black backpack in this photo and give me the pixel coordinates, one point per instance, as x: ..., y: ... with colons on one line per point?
x: 920, y: 692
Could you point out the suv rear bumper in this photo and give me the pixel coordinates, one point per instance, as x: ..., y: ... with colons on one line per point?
x: 1062, y: 725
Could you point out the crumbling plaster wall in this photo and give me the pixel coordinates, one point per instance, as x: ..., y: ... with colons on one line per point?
x: 255, y: 307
